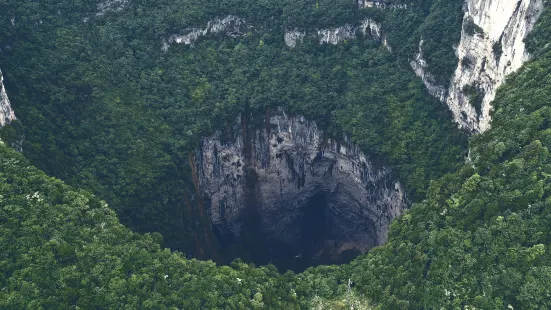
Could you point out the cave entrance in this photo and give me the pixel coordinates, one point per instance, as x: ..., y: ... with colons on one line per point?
x: 316, y: 238
x: 314, y: 222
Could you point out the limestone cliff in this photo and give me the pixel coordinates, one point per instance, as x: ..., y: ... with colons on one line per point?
x: 6, y: 112
x: 382, y: 4
x: 491, y: 47
x: 288, y: 177
x: 339, y: 34
x: 233, y: 26
x: 230, y: 25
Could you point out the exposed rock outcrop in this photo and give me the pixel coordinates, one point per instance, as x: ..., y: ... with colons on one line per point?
x: 111, y: 6
x: 491, y: 47
x: 6, y: 112
x: 382, y: 4
x: 420, y: 66
x: 313, y: 196
x: 336, y: 35
x: 292, y: 37
x: 339, y: 34
x: 231, y: 25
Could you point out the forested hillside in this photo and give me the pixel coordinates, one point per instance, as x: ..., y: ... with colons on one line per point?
x: 63, y: 248
x: 482, y: 237
x: 106, y: 110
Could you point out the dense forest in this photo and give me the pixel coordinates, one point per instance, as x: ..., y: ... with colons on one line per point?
x: 104, y: 109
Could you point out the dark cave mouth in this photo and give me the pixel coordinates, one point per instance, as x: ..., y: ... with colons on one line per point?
x: 318, y: 236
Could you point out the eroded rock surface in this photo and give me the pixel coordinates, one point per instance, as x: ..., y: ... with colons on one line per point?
x: 382, y: 4
x: 491, y: 47
x: 6, y: 112
x: 301, y: 195
x: 339, y: 34
x: 231, y: 25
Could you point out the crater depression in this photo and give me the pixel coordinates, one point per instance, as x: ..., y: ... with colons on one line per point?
x: 281, y: 192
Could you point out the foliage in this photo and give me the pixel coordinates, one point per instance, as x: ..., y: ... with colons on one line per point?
x: 106, y: 109
x: 64, y: 248
x: 481, y: 239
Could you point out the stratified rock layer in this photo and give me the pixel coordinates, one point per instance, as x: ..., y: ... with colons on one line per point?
x: 286, y: 176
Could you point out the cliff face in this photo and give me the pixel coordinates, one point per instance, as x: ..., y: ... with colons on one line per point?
x: 382, y: 4
x: 233, y: 26
x: 491, y: 47
x: 313, y: 196
x: 6, y: 112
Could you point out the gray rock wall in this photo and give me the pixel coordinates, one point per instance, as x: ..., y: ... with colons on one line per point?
x: 273, y: 171
x: 6, y: 112
x: 489, y: 53
x: 491, y: 47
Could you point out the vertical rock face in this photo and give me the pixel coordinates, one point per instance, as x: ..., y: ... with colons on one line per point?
x: 381, y: 4
x: 289, y: 186
x: 491, y: 47
x: 6, y: 112
x: 420, y: 66
x: 293, y: 36
x: 336, y: 35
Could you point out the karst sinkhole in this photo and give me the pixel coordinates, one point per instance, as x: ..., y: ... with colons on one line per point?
x: 316, y: 235
x: 281, y: 192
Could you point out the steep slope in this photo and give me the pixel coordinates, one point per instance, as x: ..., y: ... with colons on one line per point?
x: 482, y: 238
x: 61, y: 247
x: 491, y: 47
x: 6, y: 112
x: 108, y: 107
x: 293, y: 197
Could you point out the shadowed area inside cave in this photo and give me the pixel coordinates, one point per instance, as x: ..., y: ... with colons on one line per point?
x: 281, y: 192
x: 317, y: 238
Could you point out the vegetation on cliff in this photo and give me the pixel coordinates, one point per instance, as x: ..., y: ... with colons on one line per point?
x: 105, y: 109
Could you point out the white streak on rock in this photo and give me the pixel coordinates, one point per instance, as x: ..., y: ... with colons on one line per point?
x: 339, y: 34
x: 381, y: 4
x: 293, y: 36
x: 336, y: 35
x: 6, y: 112
x: 419, y: 65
